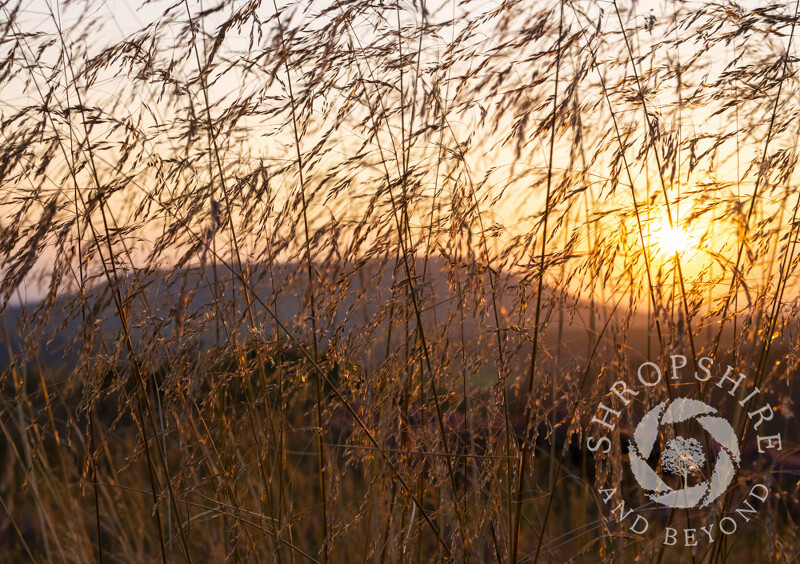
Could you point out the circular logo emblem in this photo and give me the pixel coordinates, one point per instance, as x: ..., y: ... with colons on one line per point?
x: 684, y: 456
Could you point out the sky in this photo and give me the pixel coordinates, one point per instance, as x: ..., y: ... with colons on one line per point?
x: 123, y: 19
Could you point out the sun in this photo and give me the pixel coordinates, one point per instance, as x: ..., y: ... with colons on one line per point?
x: 671, y: 239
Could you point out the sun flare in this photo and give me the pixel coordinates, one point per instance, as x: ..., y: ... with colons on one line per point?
x: 671, y: 239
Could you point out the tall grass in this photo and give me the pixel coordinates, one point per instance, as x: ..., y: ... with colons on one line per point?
x: 344, y: 281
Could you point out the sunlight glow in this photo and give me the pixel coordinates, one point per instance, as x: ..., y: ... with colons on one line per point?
x: 671, y: 240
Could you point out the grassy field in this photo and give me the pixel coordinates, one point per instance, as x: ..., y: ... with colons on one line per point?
x: 346, y: 280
